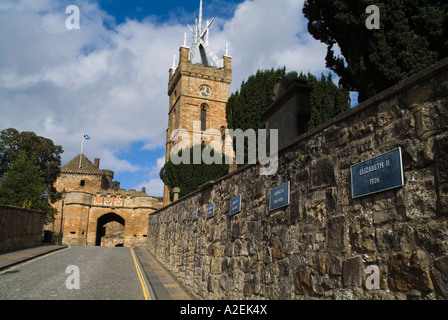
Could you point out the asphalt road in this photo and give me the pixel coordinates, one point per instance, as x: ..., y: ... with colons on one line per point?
x: 104, y: 274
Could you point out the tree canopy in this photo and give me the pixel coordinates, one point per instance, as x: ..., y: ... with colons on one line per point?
x: 327, y: 99
x: 189, y: 177
x: 245, y: 107
x: 412, y: 35
x: 46, y: 154
x: 24, y: 186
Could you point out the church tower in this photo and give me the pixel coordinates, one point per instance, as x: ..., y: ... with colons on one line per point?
x: 198, y: 92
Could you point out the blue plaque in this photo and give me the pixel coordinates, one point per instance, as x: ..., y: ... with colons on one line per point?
x: 378, y: 174
x: 211, y: 210
x: 279, y: 197
x: 195, y: 214
x: 235, y: 205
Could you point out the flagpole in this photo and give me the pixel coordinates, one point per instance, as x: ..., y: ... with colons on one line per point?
x: 80, y: 158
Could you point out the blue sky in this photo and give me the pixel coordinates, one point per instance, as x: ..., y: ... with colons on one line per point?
x: 109, y: 78
x: 174, y: 10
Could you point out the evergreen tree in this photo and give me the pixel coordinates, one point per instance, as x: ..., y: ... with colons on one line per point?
x: 189, y: 177
x: 24, y: 186
x: 245, y: 107
x: 327, y: 100
x: 413, y: 35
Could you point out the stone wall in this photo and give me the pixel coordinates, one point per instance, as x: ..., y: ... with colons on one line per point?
x: 324, y: 244
x: 20, y: 228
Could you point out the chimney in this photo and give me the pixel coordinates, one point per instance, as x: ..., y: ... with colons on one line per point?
x: 96, y: 163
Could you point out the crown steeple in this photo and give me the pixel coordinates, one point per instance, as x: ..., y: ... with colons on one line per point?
x: 201, y: 42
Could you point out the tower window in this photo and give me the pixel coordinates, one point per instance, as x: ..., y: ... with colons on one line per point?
x: 203, y: 117
x: 82, y: 183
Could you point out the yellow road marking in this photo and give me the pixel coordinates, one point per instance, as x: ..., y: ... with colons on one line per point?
x: 140, y: 277
x: 35, y: 259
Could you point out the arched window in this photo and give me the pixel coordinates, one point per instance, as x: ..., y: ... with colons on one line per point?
x: 203, y: 117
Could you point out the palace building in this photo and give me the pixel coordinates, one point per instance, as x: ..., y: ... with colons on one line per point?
x: 96, y: 211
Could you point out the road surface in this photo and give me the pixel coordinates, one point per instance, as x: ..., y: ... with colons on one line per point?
x: 100, y: 273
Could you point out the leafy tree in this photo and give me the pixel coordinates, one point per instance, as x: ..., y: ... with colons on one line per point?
x: 189, y: 177
x: 47, y: 155
x: 413, y: 35
x: 24, y: 186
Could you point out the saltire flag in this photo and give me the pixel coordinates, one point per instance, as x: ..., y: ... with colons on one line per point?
x: 85, y: 137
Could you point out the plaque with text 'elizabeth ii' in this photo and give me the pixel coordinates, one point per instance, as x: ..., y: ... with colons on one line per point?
x: 378, y: 174
x: 211, y: 210
x: 235, y: 205
x: 279, y: 196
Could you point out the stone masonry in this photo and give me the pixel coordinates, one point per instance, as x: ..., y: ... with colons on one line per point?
x: 20, y: 228
x: 193, y: 88
x: 325, y: 244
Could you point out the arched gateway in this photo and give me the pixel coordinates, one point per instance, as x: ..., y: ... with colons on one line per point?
x: 96, y: 211
x: 110, y: 230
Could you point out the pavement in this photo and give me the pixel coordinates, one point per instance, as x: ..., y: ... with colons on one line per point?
x: 10, y: 259
x: 163, y: 285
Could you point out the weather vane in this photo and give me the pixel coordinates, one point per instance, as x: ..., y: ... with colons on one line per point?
x: 201, y: 41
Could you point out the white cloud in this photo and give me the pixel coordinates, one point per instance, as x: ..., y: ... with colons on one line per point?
x: 153, y: 187
x: 111, y: 82
x: 267, y: 34
x: 153, y: 184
